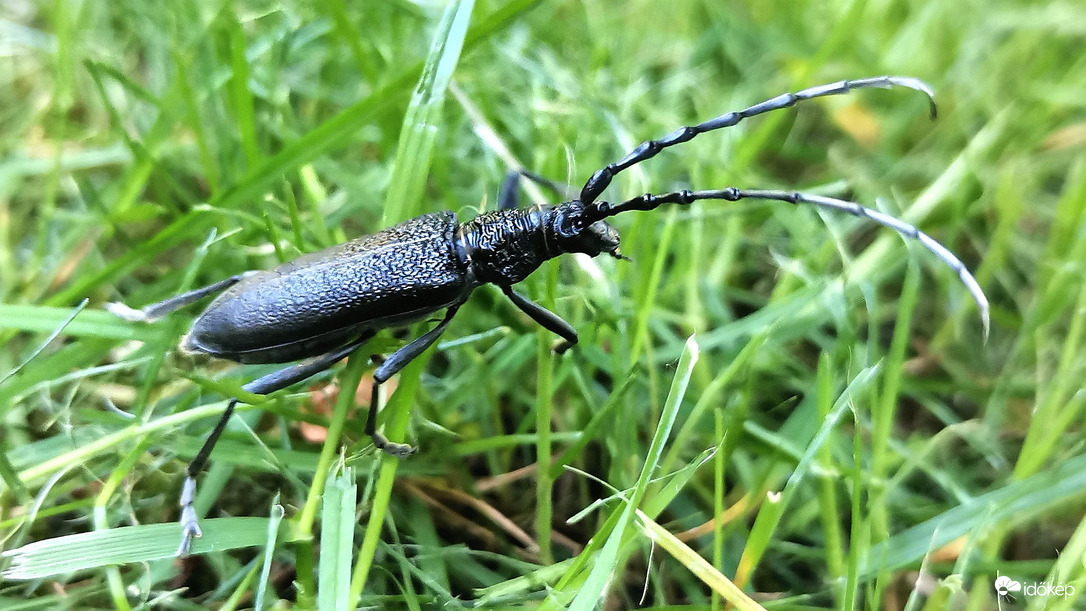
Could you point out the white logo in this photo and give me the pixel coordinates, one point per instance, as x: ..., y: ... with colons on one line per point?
x: 1005, y: 585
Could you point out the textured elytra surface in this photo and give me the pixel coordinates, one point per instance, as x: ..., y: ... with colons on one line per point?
x: 324, y: 299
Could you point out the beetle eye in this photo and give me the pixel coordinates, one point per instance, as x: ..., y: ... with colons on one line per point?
x: 571, y: 224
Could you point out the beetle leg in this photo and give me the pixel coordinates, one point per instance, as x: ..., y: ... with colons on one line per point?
x: 162, y: 308
x: 190, y: 526
x: 549, y: 320
x: 390, y: 367
x: 276, y: 380
x: 509, y: 194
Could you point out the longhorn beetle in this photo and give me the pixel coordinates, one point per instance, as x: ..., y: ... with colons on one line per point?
x: 321, y: 307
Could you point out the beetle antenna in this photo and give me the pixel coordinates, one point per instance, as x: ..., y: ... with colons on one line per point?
x: 649, y: 201
x: 647, y: 150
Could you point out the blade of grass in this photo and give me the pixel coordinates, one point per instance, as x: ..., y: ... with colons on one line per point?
x: 545, y: 357
x: 415, y: 149
x: 349, y: 380
x: 77, y: 323
x: 607, y: 562
x: 337, y: 541
x: 240, y: 95
x: 47, y: 465
x: 53, y: 335
x: 271, y: 535
x: 601, y: 417
x: 696, y: 564
x: 1014, y: 503
x: 126, y: 545
x: 409, y: 173
x: 765, y: 524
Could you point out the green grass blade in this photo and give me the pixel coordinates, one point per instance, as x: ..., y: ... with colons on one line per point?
x: 1011, y: 504
x: 420, y: 124
x: 693, y: 561
x: 768, y: 519
x: 408, y: 177
x: 52, y: 335
x: 607, y: 562
x: 337, y: 541
x: 127, y: 544
x: 271, y: 537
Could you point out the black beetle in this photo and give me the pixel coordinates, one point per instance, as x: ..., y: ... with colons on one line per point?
x: 322, y: 306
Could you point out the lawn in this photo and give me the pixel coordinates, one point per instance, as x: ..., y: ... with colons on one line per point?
x: 770, y: 404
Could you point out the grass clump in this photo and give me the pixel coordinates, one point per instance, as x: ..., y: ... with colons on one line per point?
x: 841, y: 430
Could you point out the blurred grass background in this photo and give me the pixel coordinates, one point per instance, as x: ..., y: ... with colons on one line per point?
x: 148, y: 148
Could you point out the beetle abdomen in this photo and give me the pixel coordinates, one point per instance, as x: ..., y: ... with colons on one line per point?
x: 322, y: 300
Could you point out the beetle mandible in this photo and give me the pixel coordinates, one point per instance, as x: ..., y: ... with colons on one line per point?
x: 320, y: 307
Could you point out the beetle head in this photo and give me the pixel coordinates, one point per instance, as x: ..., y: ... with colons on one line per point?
x: 576, y: 232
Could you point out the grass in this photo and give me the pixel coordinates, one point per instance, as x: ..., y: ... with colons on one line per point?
x: 836, y: 411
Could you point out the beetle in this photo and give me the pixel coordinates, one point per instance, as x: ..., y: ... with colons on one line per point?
x: 321, y: 307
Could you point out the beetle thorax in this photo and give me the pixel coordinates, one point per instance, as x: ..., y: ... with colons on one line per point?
x: 504, y: 247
